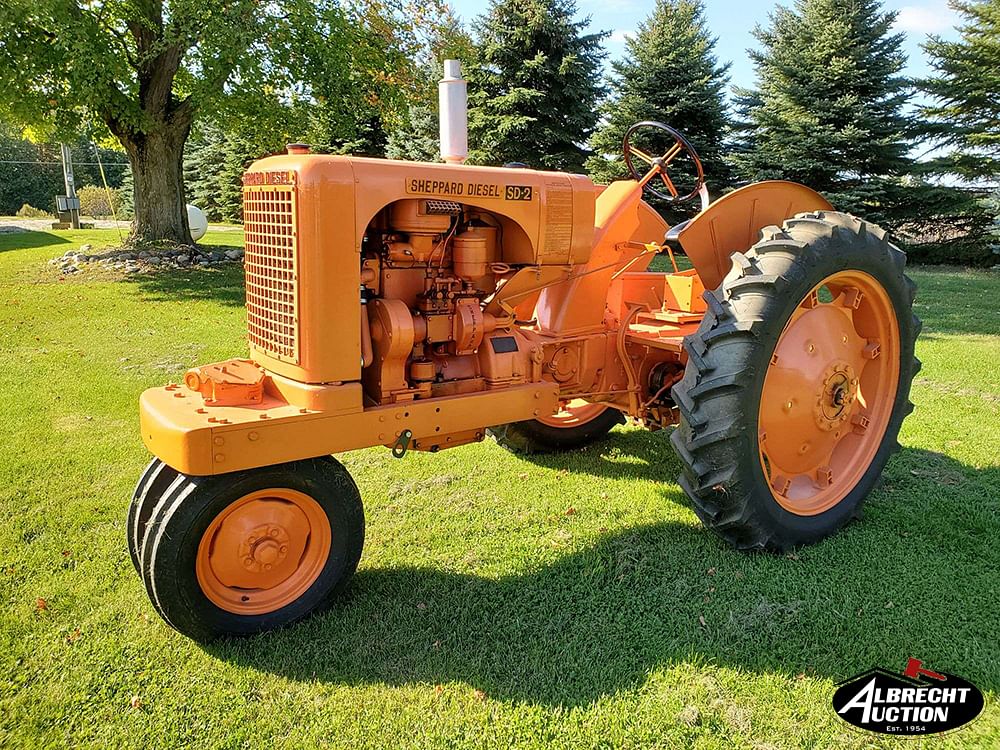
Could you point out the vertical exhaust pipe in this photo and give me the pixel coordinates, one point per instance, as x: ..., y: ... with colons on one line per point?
x: 453, y: 104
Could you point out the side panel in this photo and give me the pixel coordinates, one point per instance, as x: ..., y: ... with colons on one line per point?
x: 732, y: 223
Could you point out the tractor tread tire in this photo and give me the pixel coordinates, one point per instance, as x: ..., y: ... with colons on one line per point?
x: 534, y: 437
x: 155, y: 480
x: 718, y: 397
x: 187, y: 507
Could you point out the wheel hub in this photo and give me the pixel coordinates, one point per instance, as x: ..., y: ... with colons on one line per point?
x: 836, y: 395
x: 258, y: 545
x: 828, y: 392
x: 265, y: 547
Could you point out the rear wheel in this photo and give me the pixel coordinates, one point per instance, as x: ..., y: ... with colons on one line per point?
x: 797, y: 382
x: 577, y: 424
x: 241, y: 553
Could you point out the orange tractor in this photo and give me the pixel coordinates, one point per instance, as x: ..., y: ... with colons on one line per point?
x: 424, y: 306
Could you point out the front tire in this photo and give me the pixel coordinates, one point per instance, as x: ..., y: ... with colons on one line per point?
x: 251, y: 551
x: 797, y: 382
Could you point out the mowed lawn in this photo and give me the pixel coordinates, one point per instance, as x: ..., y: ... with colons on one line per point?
x: 564, y: 601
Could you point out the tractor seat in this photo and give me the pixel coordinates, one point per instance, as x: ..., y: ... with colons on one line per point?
x: 672, y: 238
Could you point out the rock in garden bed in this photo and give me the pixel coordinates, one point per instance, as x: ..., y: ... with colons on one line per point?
x: 145, y: 258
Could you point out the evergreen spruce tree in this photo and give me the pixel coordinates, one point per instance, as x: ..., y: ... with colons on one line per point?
x: 963, y: 120
x: 670, y: 73
x: 415, y: 136
x: 535, y: 85
x: 828, y: 108
x: 204, y: 160
x: 966, y: 91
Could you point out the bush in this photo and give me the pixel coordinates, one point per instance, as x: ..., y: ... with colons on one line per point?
x: 94, y: 201
x: 27, y: 211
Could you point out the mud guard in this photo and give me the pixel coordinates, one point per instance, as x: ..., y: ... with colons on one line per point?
x: 733, y: 222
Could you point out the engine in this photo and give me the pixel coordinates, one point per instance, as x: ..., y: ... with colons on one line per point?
x: 428, y: 267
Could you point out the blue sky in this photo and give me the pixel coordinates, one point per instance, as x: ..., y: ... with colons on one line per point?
x: 732, y: 22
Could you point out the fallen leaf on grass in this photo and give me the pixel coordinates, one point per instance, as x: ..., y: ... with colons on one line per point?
x: 711, y: 572
x: 136, y: 702
x: 571, y: 511
x: 478, y: 694
x: 701, y: 619
x: 72, y: 637
x: 421, y: 606
x: 41, y: 604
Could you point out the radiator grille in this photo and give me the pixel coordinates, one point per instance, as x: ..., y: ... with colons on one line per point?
x: 271, y: 268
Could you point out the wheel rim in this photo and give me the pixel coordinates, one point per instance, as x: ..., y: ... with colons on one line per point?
x: 574, y: 414
x: 829, y: 392
x: 263, y: 551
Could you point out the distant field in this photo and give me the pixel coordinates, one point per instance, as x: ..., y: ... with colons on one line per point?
x: 561, y: 602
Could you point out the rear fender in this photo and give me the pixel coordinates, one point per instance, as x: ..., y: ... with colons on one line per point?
x: 732, y: 224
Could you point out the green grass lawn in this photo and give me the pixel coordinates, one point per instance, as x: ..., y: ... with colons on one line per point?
x: 564, y: 601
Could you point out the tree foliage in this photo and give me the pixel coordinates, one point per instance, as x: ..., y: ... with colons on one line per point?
x: 32, y: 172
x: 143, y: 70
x: 828, y: 106
x: 535, y: 85
x: 965, y: 88
x: 415, y: 136
x: 669, y: 73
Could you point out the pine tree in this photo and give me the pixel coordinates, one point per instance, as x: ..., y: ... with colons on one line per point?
x: 670, y: 73
x: 535, y: 85
x: 966, y: 91
x: 204, y: 160
x: 416, y: 138
x: 827, y: 111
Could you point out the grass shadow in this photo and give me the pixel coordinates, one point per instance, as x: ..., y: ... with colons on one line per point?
x: 601, y: 619
x: 29, y: 239
x: 223, y: 284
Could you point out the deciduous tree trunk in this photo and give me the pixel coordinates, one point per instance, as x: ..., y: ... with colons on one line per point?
x: 158, y: 172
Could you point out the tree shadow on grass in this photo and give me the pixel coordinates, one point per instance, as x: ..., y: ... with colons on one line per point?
x: 29, y: 239
x: 223, y: 284
x: 919, y: 577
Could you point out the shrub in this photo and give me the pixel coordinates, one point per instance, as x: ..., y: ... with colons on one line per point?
x: 94, y: 201
x: 27, y: 211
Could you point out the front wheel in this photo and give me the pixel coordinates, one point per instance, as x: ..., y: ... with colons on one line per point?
x: 797, y: 382
x: 250, y: 551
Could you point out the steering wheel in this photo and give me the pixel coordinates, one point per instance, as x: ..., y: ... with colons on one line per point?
x: 658, y: 164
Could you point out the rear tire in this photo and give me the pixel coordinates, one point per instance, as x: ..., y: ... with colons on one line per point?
x: 201, y: 560
x: 535, y: 436
x: 731, y: 467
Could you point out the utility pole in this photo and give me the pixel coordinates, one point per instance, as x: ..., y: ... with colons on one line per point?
x: 70, y: 207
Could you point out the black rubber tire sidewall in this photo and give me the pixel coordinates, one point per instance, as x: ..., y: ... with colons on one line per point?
x: 171, y: 546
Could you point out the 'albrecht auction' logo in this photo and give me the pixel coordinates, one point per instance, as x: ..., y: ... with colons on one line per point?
x: 919, y: 702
